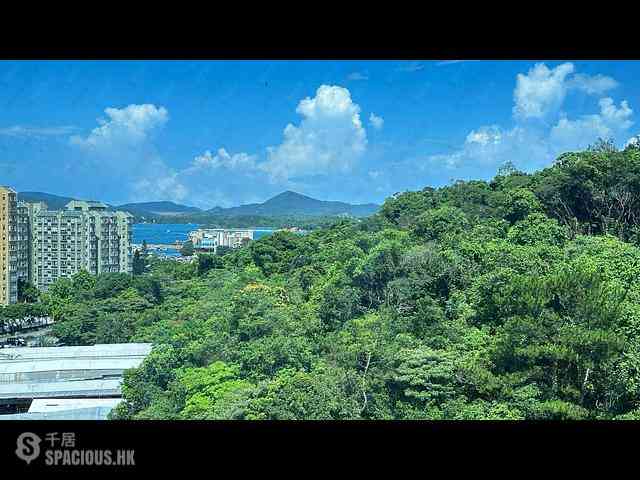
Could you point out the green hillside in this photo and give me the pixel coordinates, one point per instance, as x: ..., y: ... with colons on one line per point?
x: 510, y: 299
x: 54, y: 202
x: 157, y: 208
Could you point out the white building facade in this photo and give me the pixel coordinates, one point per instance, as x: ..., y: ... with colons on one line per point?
x: 211, y: 239
x: 85, y: 236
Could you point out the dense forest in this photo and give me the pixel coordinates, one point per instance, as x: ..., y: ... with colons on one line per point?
x: 510, y: 299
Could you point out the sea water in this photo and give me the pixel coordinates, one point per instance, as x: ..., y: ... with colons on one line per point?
x: 168, y: 233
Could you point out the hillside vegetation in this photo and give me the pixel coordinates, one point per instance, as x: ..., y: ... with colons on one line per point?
x: 511, y: 299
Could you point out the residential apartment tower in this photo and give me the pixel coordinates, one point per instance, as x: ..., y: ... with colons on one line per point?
x: 40, y: 245
x: 14, y: 245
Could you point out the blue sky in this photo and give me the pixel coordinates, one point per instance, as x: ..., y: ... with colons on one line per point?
x: 210, y: 133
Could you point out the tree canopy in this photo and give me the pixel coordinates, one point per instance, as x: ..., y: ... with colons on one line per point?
x: 509, y: 299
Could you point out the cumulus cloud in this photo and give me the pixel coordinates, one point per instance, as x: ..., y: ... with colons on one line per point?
x: 222, y: 159
x: 200, y: 180
x: 486, y: 135
x: 539, y: 94
x: 162, y: 187
x: 375, y: 121
x: 124, y: 127
x: 122, y: 152
x: 488, y: 147
x: 633, y: 141
x: 540, y: 91
x: 329, y: 138
x: 593, y: 85
x: 609, y: 123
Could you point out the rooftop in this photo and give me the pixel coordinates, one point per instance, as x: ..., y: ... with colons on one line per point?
x: 76, y: 371
x: 76, y: 352
x: 86, y: 205
x: 89, y: 413
x: 43, y: 405
x: 10, y: 392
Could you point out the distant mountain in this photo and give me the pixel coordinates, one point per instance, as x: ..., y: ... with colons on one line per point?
x: 54, y: 202
x: 285, y: 204
x: 157, y: 208
x: 292, y: 203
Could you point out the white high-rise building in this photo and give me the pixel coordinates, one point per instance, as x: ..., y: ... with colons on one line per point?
x: 14, y: 245
x: 39, y: 246
x: 85, y: 236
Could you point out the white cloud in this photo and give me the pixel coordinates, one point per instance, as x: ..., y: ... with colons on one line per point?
x: 635, y: 141
x: 375, y: 121
x: 618, y: 118
x: 121, y: 149
x: 36, y: 132
x: 222, y: 159
x: 593, y: 85
x: 538, y: 94
x: 124, y: 127
x: 167, y: 187
x: 201, y: 183
x: 611, y: 122
x: 444, y: 63
x: 374, y: 174
x: 488, y: 147
x: 355, y: 76
x: 448, y: 62
x: 541, y: 91
x: 485, y: 135
x: 329, y: 139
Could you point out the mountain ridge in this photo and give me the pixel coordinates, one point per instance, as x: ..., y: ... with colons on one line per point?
x: 54, y: 202
x: 158, y: 208
x: 293, y: 203
x: 285, y: 203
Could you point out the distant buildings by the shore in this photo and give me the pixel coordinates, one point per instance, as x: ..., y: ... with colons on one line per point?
x: 212, y: 238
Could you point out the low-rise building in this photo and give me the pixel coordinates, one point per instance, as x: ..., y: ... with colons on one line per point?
x: 212, y: 238
x: 75, y: 382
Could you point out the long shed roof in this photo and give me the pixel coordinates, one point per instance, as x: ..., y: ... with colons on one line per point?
x: 42, y: 405
x: 75, y: 371
x: 78, y: 388
x: 75, y: 352
x: 91, y: 413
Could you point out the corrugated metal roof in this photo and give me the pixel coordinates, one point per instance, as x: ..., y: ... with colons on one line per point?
x: 75, y: 352
x: 96, y: 413
x: 41, y: 405
x: 76, y: 371
x: 77, y: 388
x: 55, y: 365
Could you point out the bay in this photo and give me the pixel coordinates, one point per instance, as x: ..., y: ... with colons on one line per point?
x: 168, y: 233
